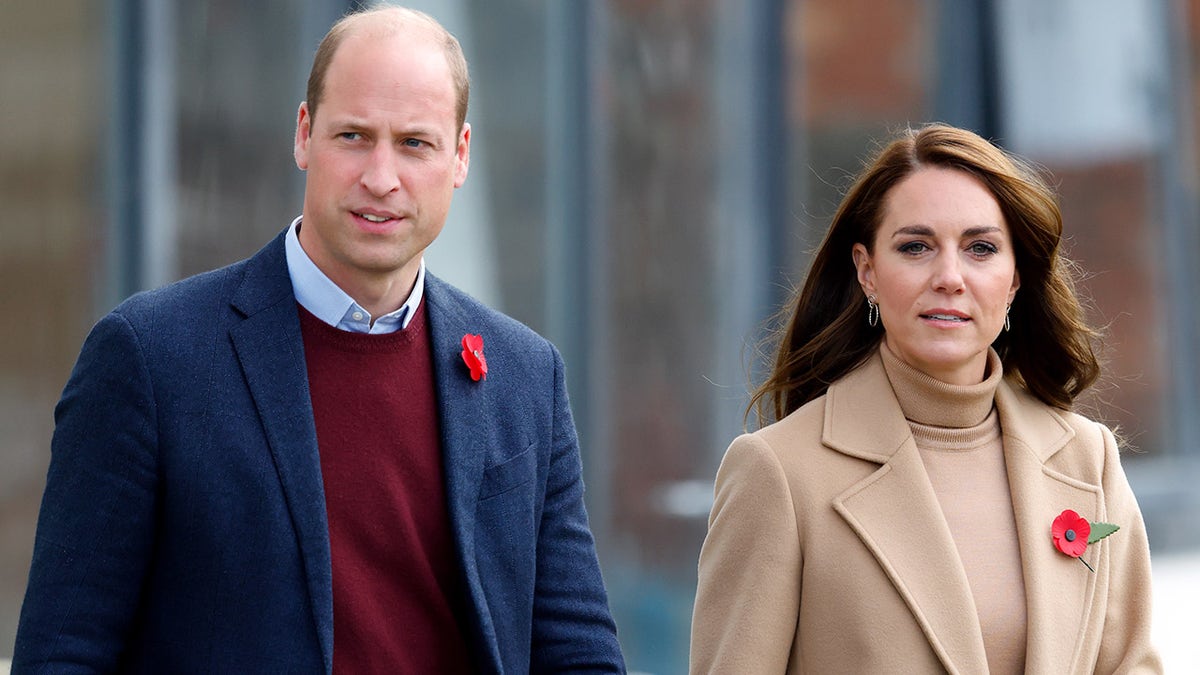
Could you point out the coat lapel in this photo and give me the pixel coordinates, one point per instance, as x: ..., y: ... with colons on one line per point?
x: 1059, y: 591
x: 896, y: 514
x: 270, y: 348
x: 463, y: 411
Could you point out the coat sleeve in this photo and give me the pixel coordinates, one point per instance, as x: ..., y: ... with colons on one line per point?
x: 748, y: 593
x: 573, y: 629
x: 95, y: 528
x: 1125, y: 643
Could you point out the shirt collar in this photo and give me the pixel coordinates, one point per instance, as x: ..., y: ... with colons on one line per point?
x: 325, y: 300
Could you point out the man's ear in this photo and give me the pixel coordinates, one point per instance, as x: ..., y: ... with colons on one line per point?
x: 303, y: 135
x: 462, y: 155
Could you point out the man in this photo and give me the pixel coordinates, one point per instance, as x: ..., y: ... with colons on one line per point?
x: 323, y: 458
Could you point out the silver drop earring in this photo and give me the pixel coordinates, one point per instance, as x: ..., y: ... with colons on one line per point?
x: 872, y: 311
x: 1007, y: 322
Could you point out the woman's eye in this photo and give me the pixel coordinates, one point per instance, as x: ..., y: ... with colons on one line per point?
x: 981, y: 248
x: 913, y: 247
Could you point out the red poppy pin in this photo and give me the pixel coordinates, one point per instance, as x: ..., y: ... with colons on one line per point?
x: 1072, y: 534
x: 472, y: 355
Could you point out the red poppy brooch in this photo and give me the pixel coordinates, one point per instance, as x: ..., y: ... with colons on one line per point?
x: 472, y: 355
x: 1072, y: 534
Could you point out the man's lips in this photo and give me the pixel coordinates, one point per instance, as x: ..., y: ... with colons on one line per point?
x: 373, y: 216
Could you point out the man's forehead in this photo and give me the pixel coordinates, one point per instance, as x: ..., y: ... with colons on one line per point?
x: 417, y: 48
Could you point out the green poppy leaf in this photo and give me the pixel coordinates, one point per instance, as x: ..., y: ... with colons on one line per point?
x: 1100, y: 531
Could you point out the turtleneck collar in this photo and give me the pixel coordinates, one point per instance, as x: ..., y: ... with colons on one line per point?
x: 925, y: 400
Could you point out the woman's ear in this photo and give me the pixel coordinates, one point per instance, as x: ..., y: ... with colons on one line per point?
x: 866, y: 271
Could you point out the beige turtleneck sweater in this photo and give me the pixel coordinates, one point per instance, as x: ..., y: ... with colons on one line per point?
x: 957, y: 432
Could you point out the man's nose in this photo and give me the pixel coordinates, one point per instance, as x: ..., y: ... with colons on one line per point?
x: 379, y: 175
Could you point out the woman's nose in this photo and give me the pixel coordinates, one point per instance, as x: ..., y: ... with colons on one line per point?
x: 947, y: 276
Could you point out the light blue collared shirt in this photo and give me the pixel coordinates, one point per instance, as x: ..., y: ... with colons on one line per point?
x: 325, y: 300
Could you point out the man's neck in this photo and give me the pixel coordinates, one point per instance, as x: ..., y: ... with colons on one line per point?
x: 379, y: 294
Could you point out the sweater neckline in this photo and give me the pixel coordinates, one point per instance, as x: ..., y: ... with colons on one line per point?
x: 931, y: 402
x: 367, y: 343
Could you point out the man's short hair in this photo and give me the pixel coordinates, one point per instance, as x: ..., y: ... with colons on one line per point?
x: 383, y: 21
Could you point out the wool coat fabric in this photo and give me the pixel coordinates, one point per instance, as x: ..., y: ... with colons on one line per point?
x: 183, y: 526
x: 827, y: 550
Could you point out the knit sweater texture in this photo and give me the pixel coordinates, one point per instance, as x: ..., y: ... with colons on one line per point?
x: 957, y: 431
x: 397, y: 595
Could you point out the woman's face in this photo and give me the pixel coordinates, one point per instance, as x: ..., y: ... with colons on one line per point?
x: 943, y: 272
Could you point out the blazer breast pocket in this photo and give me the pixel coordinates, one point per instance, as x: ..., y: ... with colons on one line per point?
x: 509, y: 474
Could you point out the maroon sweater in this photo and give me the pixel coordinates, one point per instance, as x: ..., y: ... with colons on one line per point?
x: 396, y: 594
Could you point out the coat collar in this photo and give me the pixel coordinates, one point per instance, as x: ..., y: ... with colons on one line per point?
x: 463, y: 408
x: 270, y: 348
x: 897, y: 500
x: 1059, y: 591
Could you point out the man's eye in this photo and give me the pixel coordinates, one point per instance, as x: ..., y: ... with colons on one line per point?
x: 349, y: 135
x: 413, y: 142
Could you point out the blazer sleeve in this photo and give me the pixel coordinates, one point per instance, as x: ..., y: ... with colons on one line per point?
x: 1125, y: 642
x: 573, y: 630
x: 748, y: 593
x: 95, y: 529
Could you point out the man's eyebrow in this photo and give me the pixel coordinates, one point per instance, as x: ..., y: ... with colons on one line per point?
x: 361, y: 125
x: 418, y: 130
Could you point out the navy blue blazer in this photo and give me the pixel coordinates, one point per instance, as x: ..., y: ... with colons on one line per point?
x: 183, y: 525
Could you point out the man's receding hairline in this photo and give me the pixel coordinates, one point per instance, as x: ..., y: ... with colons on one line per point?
x: 420, y: 38
x: 389, y: 22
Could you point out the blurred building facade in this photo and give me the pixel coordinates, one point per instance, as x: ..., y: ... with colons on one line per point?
x: 649, y: 180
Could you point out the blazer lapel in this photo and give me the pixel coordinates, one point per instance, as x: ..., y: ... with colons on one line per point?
x: 1058, y: 590
x: 463, y: 411
x: 270, y: 348
x: 896, y: 514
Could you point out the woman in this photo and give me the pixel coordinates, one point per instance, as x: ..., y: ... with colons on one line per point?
x: 900, y: 513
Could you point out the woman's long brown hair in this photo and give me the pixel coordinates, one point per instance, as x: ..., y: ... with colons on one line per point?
x: 1050, y: 346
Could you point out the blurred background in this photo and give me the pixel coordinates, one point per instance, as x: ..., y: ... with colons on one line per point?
x: 649, y: 179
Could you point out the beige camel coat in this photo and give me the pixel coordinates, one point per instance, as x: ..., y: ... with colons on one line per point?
x: 827, y: 551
